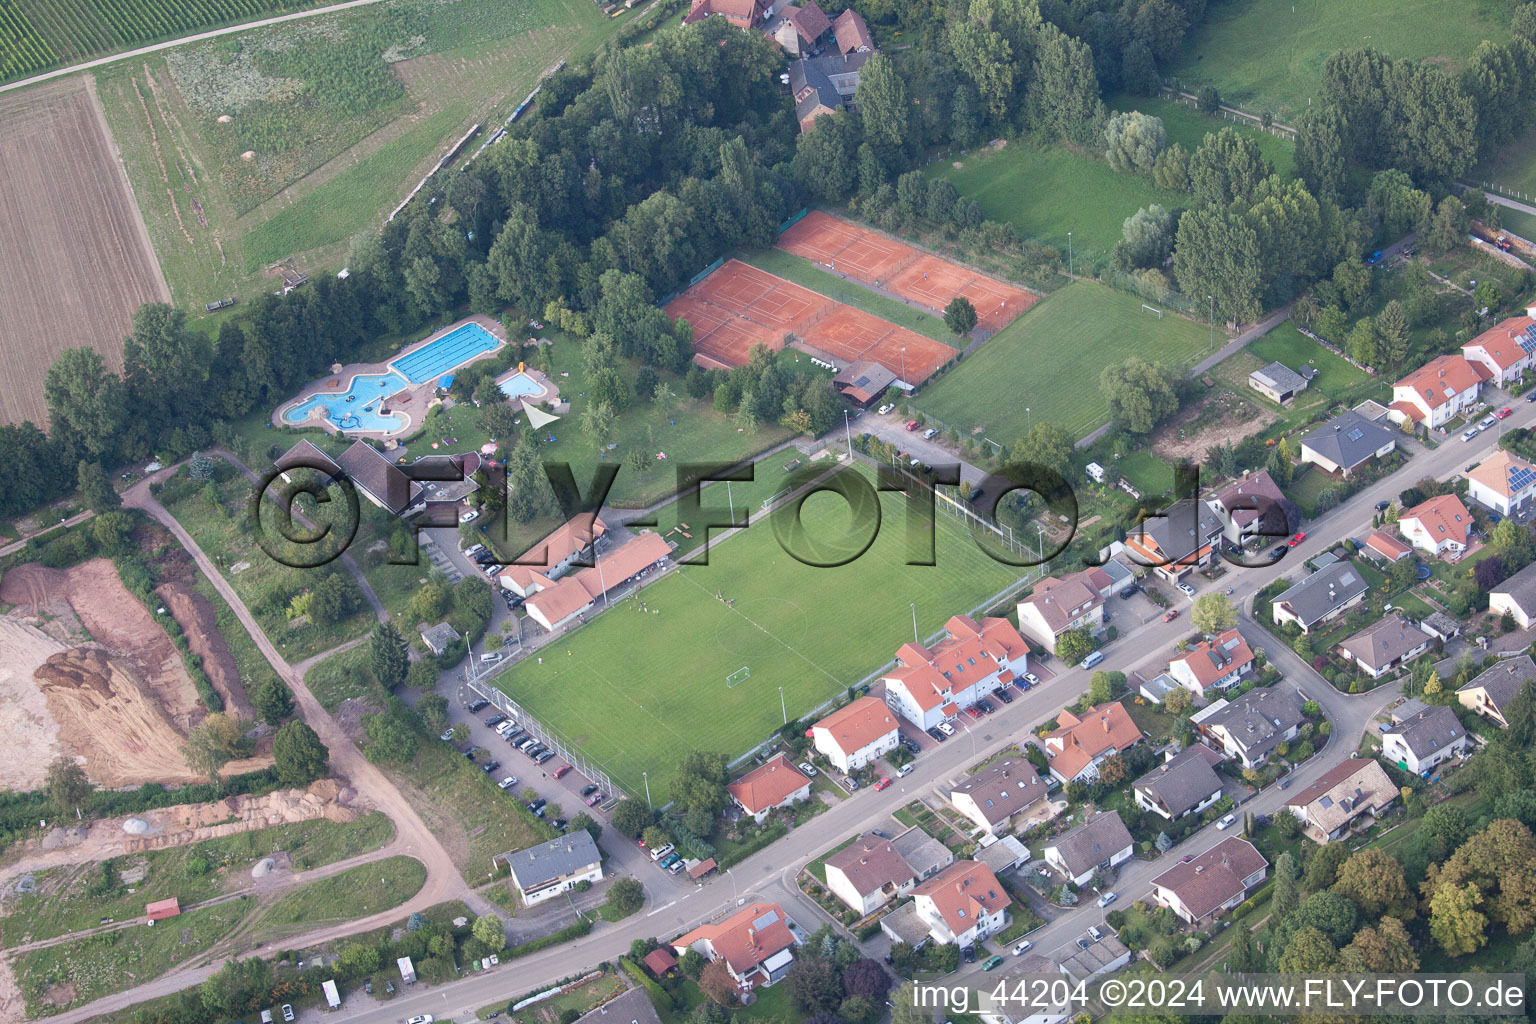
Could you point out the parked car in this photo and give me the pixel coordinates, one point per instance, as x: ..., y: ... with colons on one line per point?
x: 905, y: 769
x: 991, y: 963
x: 884, y: 783
x: 447, y: 734
x: 491, y: 657
x: 287, y: 1011
x: 945, y: 728
x: 588, y: 790
x: 1226, y: 823
x: 911, y: 424
x: 1485, y: 422
x: 1031, y: 679
x: 1095, y: 933
x: 1023, y: 947
x: 1107, y: 899
x: 561, y: 772
x: 1003, y: 696
x: 1504, y: 412
x: 969, y: 952
x: 476, y: 705
x: 508, y: 782
x: 973, y: 711
x: 1530, y: 396
x: 538, y: 804
x: 1186, y: 858
x: 490, y: 766
x: 1374, y: 258
x: 495, y: 720
x: 987, y: 707
x: 930, y: 434
x: 677, y: 866
x: 544, y: 756
x: 1382, y: 506
x: 1300, y: 536
x: 1083, y: 943
x: 887, y: 407
x: 470, y: 516
x: 1170, y: 615
x: 1186, y: 589
x: 594, y: 799
x: 1469, y: 435
x: 560, y: 824
x: 934, y: 732
x: 809, y: 769
x: 424, y: 1018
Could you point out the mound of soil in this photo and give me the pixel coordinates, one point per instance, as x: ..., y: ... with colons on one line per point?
x: 201, y: 625
x: 30, y: 730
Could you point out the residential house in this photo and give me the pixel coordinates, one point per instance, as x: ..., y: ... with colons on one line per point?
x: 1249, y: 727
x: 1100, y: 843
x: 545, y: 871
x: 1057, y: 606
x: 1502, y: 482
x: 801, y: 30
x: 1249, y: 504
x: 963, y: 904
x: 775, y: 783
x: 1491, y: 691
x: 1382, y: 544
x: 741, y: 13
x: 439, y: 638
x: 852, y: 33
x: 1502, y: 353
x: 992, y: 796
x: 925, y: 855
x: 1435, y: 393
x: 381, y: 481
x: 1342, y: 797
x: 1101, y: 957
x: 1175, y: 542
x: 1390, y: 643
x: 1213, y: 666
x: 632, y: 1006
x: 755, y: 944
x: 1516, y: 597
x: 1439, y: 526
x: 930, y: 685
x: 1219, y: 879
x: 824, y: 85
x: 1321, y: 597
x: 854, y: 736
x: 869, y: 873
x: 1077, y: 746
x: 558, y: 603
x: 1279, y: 383
x: 1425, y: 740
x: 1185, y: 783
x: 1345, y: 443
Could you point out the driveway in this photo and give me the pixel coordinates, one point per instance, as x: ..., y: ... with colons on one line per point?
x: 891, y: 428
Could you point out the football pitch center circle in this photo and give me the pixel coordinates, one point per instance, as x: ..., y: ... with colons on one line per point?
x: 740, y: 633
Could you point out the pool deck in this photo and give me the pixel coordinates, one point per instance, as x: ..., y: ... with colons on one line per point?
x: 549, y: 396
x: 411, y: 402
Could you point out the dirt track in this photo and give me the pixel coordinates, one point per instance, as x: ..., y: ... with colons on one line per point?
x: 80, y: 260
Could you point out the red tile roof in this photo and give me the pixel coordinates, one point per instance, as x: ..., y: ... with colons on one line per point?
x: 1502, y: 341
x: 809, y: 20
x: 1212, y: 660
x: 564, y: 541
x: 852, y: 32
x: 768, y: 785
x: 162, y: 909
x: 744, y: 13
x: 856, y: 726
x: 1248, y: 490
x: 1441, y: 379
x: 1062, y: 601
x: 962, y: 891
x: 1385, y: 544
x: 660, y: 961
x: 971, y: 651
x: 1077, y: 741
x: 1443, y: 518
x: 745, y: 939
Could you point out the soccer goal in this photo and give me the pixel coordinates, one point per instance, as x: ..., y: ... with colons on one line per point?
x: 741, y: 675
x: 1152, y: 309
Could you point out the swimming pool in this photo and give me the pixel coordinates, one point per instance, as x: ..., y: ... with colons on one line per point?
x: 436, y: 358
x: 520, y: 385
x: 356, y: 408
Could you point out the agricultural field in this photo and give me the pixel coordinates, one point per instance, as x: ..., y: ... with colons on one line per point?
x: 1032, y: 371
x: 1047, y: 191
x: 1268, y: 54
x: 1188, y: 127
x: 40, y: 34
x: 88, y: 262
x: 654, y: 676
x: 286, y: 141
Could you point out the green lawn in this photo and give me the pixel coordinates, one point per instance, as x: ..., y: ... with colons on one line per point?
x: 1047, y: 191
x: 1268, y: 54
x: 1337, y: 380
x: 1147, y: 473
x: 1522, y: 224
x: 638, y: 687
x: 354, y: 893
x: 1188, y: 126
x: 804, y: 272
x: 1048, y: 362
x: 1285, y: 344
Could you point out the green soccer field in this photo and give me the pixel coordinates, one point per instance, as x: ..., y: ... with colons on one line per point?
x: 1045, y: 365
x: 1268, y: 54
x: 646, y: 681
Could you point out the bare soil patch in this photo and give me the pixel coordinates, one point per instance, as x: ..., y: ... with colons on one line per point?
x: 80, y: 257
x: 30, y: 730
x: 200, y: 623
x: 1237, y: 419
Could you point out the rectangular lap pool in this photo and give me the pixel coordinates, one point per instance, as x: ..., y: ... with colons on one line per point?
x: 436, y: 358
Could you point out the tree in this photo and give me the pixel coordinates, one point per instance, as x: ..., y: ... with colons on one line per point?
x: 1284, y: 898
x: 393, y: 734
x: 1500, y: 861
x: 700, y: 781
x: 1046, y: 445
x: 1449, y: 226
x: 813, y: 985
x: 1217, y: 254
x: 1363, y: 342
x: 1171, y: 171
x: 1102, y: 686
x: 68, y: 786
x: 430, y: 601
x: 87, y: 404
x: 1074, y: 645
x: 1163, y: 842
x: 1227, y: 167
x: 433, y: 709
x: 273, y: 701
x: 1454, y: 920
x: 882, y: 100
x: 1140, y: 394
x: 585, y: 822
x: 715, y: 981
x: 626, y: 896
x: 1383, y: 949
x: 597, y: 424
x: 360, y: 959
x: 1392, y: 334
x: 388, y: 655
x: 867, y: 979
x: 1374, y: 882
x: 960, y: 316
x: 1134, y: 141
x: 1213, y: 613
x: 1063, y: 92
x: 487, y: 928
x: 333, y: 599
x: 1178, y: 701
x: 299, y: 755
x: 630, y: 819
x: 1147, y: 238
x: 1308, y: 952
x: 1208, y: 100
x: 95, y: 487
x: 692, y: 963
x: 214, y: 742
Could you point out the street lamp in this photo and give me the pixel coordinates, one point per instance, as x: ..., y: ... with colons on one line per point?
x: 782, y: 706
x: 646, y: 777
x: 1030, y: 421
x: 1213, y: 319
x: 913, y: 606
x: 1040, y: 541
x: 1069, y: 254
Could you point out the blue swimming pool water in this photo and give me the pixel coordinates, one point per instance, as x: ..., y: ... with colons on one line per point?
x: 435, y: 359
x: 367, y: 392
x: 520, y: 384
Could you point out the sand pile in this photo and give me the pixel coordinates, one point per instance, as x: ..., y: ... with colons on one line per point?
x: 193, y: 823
x: 30, y: 731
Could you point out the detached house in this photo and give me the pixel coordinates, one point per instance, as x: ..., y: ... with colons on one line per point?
x: 1439, y: 526
x: 1425, y: 739
x: 801, y: 30
x: 1502, y: 482
x: 1490, y: 693
x: 1058, y: 606
x: 992, y: 796
x: 741, y: 13
x: 1079, y: 745
x: 1516, y: 597
x: 1250, y: 504
x: 962, y: 904
x: 755, y: 944
x: 1219, y: 879
x: 1345, y: 794
x: 972, y: 661
x: 1101, y: 842
x: 1435, y: 393
x: 1186, y: 783
x: 1211, y: 667
x: 545, y: 871
x: 776, y: 783
x: 1390, y: 643
x: 1503, y: 352
x: 1321, y: 597
x: 1250, y: 727
x: 1345, y: 443
x: 856, y: 735
x: 869, y: 873
x: 1184, y: 536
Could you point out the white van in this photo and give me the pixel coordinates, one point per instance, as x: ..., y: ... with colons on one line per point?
x: 492, y: 658
x: 266, y: 1017
x: 1092, y: 660
x: 661, y: 851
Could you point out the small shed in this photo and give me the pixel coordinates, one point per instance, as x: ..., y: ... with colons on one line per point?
x: 660, y: 961
x: 439, y: 637
x: 332, y: 996
x: 162, y: 909
x: 407, y: 970
x: 702, y: 868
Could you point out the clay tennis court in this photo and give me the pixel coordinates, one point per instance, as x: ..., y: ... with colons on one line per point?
x: 902, y: 270
x: 739, y: 306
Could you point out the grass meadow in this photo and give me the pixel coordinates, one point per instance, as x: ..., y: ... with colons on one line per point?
x: 1188, y: 127
x: 1047, y: 191
x: 645, y: 682
x: 1268, y: 54
x: 1045, y: 365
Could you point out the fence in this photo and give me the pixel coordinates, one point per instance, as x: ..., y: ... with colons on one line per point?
x: 1231, y: 113
x: 793, y: 220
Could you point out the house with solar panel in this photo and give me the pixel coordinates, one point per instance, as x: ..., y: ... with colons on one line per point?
x: 1502, y: 482
x: 1506, y: 350
x: 1347, y: 442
